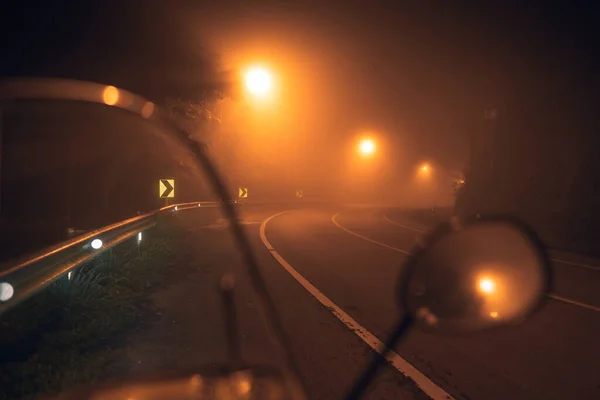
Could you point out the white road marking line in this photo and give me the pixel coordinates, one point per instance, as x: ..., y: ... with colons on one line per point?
x: 575, y: 264
x: 552, y: 259
x: 391, y: 221
x: 422, y: 381
x: 576, y: 303
x: 333, y: 219
x: 550, y: 295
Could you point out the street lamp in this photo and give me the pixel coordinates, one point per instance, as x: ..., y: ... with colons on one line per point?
x: 258, y: 81
x: 261, y: 84
x: 366, y: 147
x: 438, y: 178
x: 487, y: 285
x: 426, y: 174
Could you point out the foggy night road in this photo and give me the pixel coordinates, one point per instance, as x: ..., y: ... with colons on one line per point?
x: 125, y: 126
x: 353, y: 255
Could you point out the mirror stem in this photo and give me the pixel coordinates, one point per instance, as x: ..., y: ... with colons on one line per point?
x: 379, y: 359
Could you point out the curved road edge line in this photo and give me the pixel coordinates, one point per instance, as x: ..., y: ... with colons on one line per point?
x: 571, y: 263
x: 550, y: 295
x: 400, y: 364
x: 391, y: 221
x: 333, y: 219
x: 573, y: 302
x: 574, y: 264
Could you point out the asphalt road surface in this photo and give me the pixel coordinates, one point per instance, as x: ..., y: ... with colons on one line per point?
x: 332, y: 271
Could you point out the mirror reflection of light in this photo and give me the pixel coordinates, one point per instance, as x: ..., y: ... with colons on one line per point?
x: 196, y: 381
x: 487, y: 285
x: 110, y: 95
x: 241, y: 381
x: 147, y: 110
x: 427, y: 316
x: 244, y: 386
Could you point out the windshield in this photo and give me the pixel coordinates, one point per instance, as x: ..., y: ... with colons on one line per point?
x: 202, y: 190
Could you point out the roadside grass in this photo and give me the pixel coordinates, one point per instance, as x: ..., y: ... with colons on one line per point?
x: 75, y: 331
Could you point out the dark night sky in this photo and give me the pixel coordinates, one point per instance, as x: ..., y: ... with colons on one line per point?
x: 421, y: 74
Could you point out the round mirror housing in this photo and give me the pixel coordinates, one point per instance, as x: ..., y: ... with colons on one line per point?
x: 469, y: 275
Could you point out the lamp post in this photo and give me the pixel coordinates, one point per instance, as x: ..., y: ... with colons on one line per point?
x: 438, y: 177
x: 367, y: 150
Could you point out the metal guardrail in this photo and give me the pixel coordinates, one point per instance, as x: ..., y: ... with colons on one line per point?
x: 29, y: 88
x: 22, y: 278
x: 25, y: 276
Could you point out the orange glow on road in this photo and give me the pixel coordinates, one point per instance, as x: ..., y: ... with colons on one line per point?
x: 110, y: 95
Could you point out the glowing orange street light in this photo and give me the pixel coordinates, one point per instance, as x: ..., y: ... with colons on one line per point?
x: 425, y: 168
x: 487, y: 285
x: 258, y: 81
x: 366, y: 147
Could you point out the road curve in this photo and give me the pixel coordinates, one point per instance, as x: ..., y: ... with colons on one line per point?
x: 552, y: 355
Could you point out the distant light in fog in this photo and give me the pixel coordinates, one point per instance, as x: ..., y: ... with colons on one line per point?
x: 424, y: 172
x: 487, y: 285
x: 110, y: 96
x: 366, y: 147
x: 494, y: 314
x: 258, y: 81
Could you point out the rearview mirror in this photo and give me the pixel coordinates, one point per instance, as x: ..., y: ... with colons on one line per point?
x: 475, y: 274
